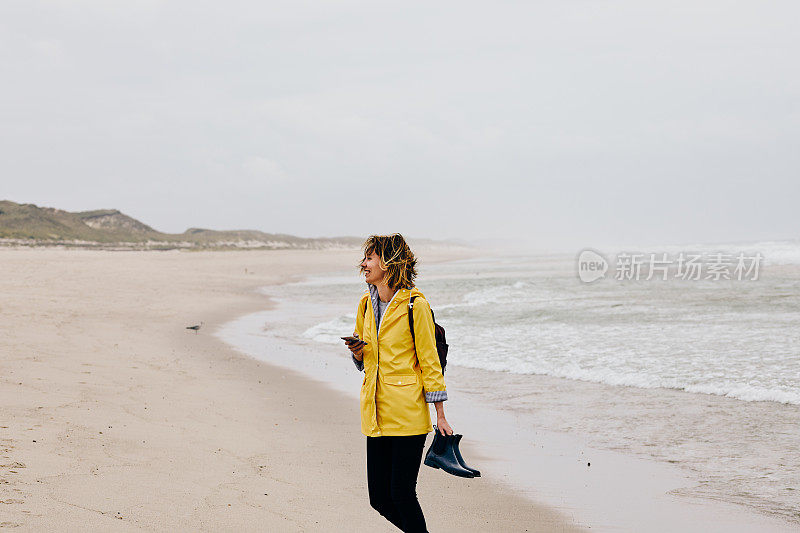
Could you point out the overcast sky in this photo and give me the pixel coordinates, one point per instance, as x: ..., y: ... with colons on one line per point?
x: 559, y: 123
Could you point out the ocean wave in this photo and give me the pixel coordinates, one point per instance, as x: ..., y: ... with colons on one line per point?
x: 739, y: 391
x: 330, y: 331
x: 727, y: 340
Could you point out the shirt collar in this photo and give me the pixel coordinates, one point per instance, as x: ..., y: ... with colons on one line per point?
x: 373, y: 295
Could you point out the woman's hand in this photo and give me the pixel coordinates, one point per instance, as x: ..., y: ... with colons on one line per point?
x: 441, y: 422
x: 357, y: 347
x: 443, y: 427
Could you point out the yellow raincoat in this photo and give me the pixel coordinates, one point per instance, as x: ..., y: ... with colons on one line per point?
x: 396, y: 375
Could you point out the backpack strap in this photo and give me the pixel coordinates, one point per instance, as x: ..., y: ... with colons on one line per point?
x: 411, y: 317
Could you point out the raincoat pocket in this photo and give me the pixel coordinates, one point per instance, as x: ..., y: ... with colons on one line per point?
x: 401, y: 404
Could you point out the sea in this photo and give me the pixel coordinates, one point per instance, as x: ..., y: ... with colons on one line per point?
x: 700, y: 373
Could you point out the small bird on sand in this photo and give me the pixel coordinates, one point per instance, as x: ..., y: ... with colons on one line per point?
x: 196, y: 328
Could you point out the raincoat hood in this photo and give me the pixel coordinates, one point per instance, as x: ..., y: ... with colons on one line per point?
x: 375, y: 298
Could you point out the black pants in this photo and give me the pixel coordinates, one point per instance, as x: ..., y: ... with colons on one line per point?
x: 392, y: 468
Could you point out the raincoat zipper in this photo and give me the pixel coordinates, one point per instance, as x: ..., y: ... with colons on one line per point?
x: 377, y: 351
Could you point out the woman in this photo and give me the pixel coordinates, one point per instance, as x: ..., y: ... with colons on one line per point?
x: 401, y: 376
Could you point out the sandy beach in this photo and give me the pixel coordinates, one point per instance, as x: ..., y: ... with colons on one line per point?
x: 114, y: 417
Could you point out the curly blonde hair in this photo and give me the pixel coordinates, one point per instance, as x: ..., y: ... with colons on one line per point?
x: 396, y: 258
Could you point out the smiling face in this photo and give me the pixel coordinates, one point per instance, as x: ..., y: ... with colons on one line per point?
x: 371, y: 267
x: 388, y: 261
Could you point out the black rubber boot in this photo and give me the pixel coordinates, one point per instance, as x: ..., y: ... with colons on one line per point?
x: 456, y: 442
x: 442, y: 455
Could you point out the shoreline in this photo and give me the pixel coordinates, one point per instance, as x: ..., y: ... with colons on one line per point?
x: 115, y: 416
x: 659, y: 490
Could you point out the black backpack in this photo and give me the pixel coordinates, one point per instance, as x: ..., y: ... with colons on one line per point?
x: 441, y: 343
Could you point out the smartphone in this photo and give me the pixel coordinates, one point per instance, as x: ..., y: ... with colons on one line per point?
x: 353, y: 339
